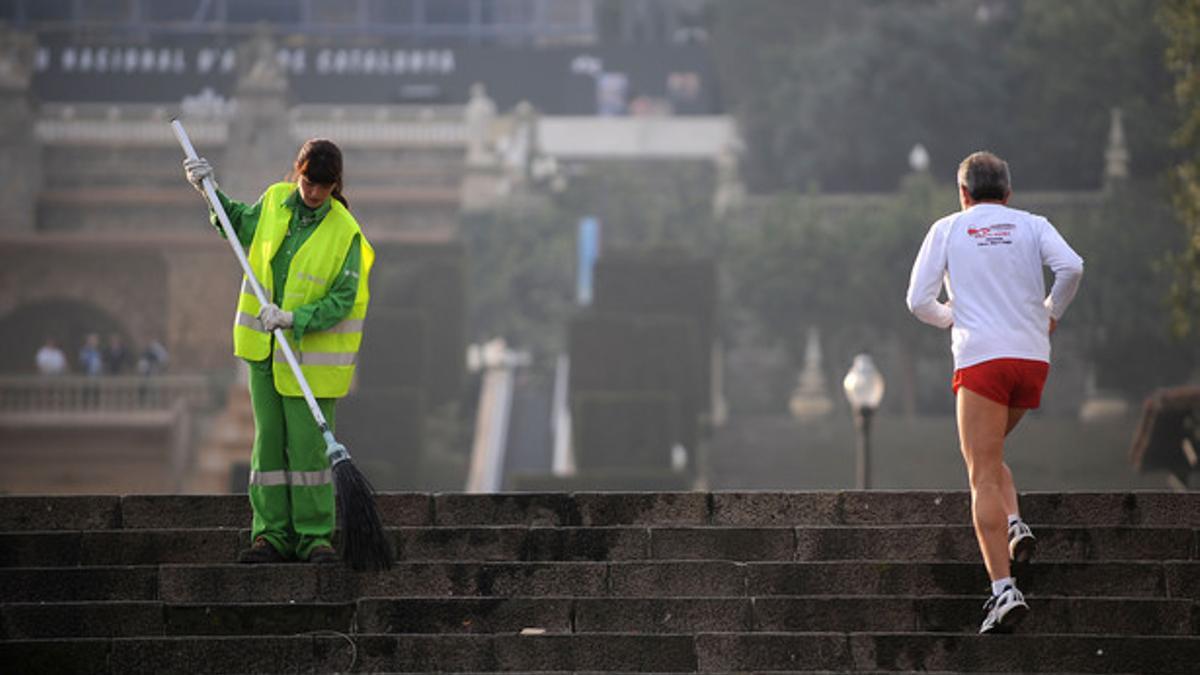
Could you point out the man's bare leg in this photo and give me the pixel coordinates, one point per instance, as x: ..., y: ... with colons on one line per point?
x: 1009, y: 489
x: 982, y: 426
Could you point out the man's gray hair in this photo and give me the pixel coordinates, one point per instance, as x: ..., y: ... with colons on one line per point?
x: 985, y: 176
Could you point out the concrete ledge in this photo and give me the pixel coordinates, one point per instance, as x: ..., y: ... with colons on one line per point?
x: 951, y: 543
x: 561, y: 615
x: 723, y: 544
x: 78, y: 584
x: 754, y: 509
x: 165, y: 511
x: 1105, y: 616
x: 187, y: 655
x: 663, y: 615
x: 59, y: 513
x: 1133, y: 579
x: 53, y: 657
x: 258, y: 619
x: 463, y: 653
x: 1026, y: 653
x: 464, y: 615
x: 549, y: 509
x: 241, y: 583
x: 619, y: 652
x: 565, y: 579
x: 521, y: 543
x: 728, y: 652
x: 665, y: 579
x: 41, y: 620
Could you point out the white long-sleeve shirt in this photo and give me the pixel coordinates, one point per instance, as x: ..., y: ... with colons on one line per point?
x: 990, y: 258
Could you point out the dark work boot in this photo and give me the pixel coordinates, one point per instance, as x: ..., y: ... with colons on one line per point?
x: 323, y: 555
x: 261, y: 551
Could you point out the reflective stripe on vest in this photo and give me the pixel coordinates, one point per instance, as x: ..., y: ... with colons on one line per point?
x: 320, y: 358
x: 304, y: 478
x: 247, y: 321
x: 346, y: 326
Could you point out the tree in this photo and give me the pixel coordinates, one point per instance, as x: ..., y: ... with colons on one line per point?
x: 838, y: 102
x: 834, y: 93
x: 1071, y: 62
x: 522, y: 256
x: 520, y: 275
x: 841, y: 265
x: 1180, y: 20
x: 1120, y: 313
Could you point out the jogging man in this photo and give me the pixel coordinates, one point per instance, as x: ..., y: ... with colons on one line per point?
x: 990, y: 258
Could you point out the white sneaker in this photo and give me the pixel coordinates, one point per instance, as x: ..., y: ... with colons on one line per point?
x: 1021, y: 542
x: 1004, y: 611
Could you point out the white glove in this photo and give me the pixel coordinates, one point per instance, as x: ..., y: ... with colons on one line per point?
x: 272, y: 317
x: 197, y: 170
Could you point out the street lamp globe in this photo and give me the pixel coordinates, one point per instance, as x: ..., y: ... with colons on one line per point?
x: 863, y: 384
x: 864, y: 390
x: 918, y: 158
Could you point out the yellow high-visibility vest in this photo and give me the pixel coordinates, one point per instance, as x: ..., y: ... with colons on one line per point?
x: 326, y: 357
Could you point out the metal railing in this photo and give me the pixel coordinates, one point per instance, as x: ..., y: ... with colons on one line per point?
x: 74, y: 394
x: 526, y: 20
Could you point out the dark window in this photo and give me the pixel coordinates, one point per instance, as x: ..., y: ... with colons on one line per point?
x: 336, y: 12
x: 48, y: 10
x: 400, y: 12
x: 176, y: 10
x: 448, y: 12
x: 105, y: 10
x: 271, y: 11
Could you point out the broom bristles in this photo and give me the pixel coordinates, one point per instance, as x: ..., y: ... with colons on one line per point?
x: 365, y: 544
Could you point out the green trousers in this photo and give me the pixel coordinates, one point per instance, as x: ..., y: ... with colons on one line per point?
x: 291, y: 484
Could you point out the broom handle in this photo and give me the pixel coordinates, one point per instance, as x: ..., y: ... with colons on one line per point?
x: 334, y: 450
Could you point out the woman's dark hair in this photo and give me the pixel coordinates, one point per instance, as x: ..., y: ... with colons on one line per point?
x: 320, y: 161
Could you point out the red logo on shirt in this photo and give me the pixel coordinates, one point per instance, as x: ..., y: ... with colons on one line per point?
x: 992, y: 235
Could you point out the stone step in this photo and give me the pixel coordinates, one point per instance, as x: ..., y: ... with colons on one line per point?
x: 39, y: 620
x: 589, y: 615
x: 332, y: 583
x: 521, y: 543
x: 706, y: 653
x: 766, y: 509
x: 957, y: 653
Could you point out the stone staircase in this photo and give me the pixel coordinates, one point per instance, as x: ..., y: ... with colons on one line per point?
x: 602, y: 582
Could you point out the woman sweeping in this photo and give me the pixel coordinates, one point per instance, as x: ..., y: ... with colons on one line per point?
x: 311, y: 257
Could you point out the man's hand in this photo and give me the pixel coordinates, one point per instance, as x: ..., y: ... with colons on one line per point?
x: 272, y: 317
x: 197, y: 170
x: 1053, y: 325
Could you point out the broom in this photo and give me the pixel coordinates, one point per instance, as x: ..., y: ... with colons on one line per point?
x: 364, y: 543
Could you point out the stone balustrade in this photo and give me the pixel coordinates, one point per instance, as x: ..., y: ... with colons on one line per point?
x: 27, y: 396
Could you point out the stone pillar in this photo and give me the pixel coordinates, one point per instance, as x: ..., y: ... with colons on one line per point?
x: 1116, y: 155
x: 810, y: 400
x: 20, y: 152
x: 481, y: 178
x: 730, y: 192
x: 522, y: 143
x: 260, y: 150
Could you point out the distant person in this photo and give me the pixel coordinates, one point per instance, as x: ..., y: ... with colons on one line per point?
x: 312, y: 259
x: 153, y: 359
x: 50, y: 359
x: 990, y: 259
x: 116, y: 356
x: 91, y: 359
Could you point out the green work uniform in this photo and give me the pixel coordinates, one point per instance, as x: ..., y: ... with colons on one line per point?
x: 291, y: 487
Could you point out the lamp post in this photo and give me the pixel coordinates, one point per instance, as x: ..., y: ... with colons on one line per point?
x: 864, y: 389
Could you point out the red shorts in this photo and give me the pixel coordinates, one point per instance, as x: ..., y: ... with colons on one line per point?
x: 1016, y: 383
